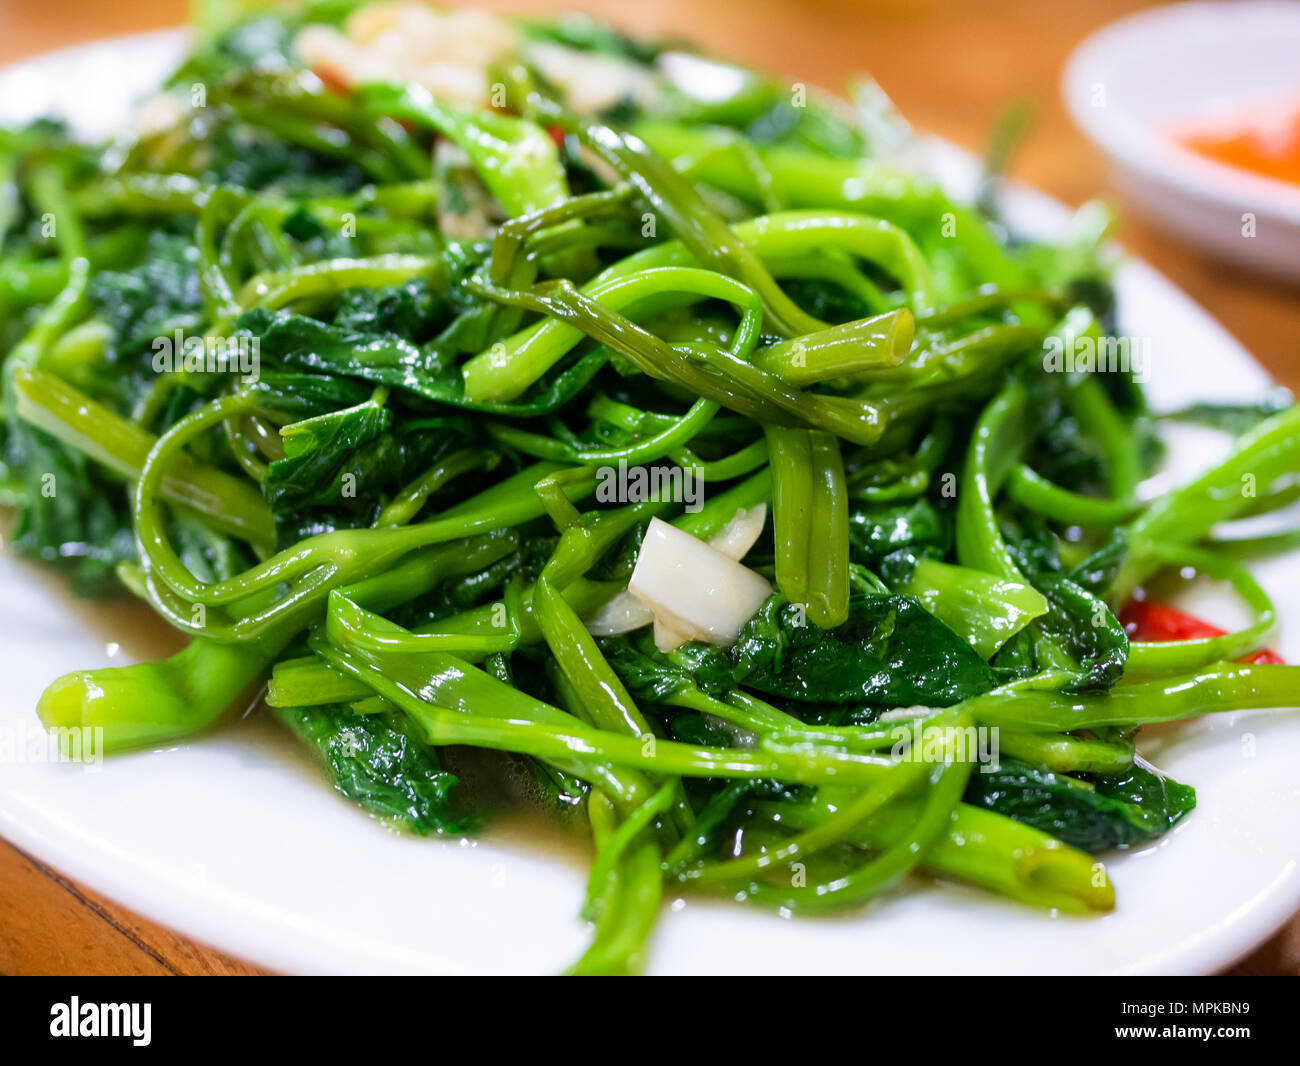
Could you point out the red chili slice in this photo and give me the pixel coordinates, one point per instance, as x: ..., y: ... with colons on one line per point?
x: 1148, y: 621
x: 335, y: 83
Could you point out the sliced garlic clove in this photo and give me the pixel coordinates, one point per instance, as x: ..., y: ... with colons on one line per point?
x: 739, y: 535
x: 694, y: 589
x: 620, y: 614
x: 667, y: 638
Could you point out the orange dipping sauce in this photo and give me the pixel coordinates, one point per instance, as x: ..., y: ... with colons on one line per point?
x: 1266, y: 143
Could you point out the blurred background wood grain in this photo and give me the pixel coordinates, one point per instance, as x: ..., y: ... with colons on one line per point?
x: 950, y: 67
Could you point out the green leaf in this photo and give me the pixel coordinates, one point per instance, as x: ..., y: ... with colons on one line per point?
x: 1077, y: 620
x: 70, y: 517
x: 984, y: 609
x: 319, y: 452
x: 152, y: 299
x: 875, y: 532
x: 373, y: 761
x: 891, y: 652
x: 1113, y: 813
x: 387, y: 359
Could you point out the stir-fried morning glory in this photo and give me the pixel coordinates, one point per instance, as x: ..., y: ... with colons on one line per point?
x: 472, y: 383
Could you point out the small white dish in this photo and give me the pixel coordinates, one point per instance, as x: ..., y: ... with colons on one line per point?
x: 1136, y: 83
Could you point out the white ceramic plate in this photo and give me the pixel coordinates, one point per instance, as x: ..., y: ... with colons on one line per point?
x: 234, y: 839
x: 1135, y: 81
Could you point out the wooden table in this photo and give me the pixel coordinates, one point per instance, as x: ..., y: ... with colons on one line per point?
x: 950, y: 66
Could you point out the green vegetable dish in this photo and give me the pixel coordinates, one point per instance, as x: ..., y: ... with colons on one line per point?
x: 515, y: 385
